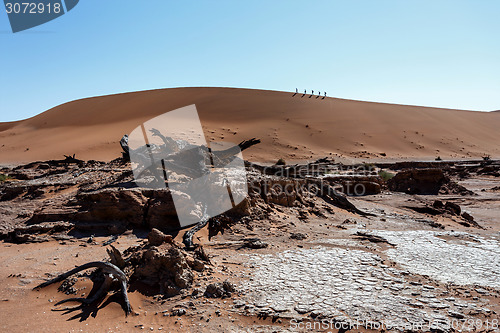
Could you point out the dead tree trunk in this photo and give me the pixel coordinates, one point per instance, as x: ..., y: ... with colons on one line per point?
x: 111, y: 273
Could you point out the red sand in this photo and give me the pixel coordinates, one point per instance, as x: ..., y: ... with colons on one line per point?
x: 292, y: 128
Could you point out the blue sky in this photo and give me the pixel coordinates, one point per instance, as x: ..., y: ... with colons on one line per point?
x: 433, y: 53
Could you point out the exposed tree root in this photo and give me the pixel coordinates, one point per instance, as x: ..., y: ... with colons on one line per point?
x: 188, y: 236
x: 111, y: 274
x: 331, y: 196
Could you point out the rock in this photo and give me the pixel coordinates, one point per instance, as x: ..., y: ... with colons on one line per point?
x: 218, y: 289
x: 107, y: 205
x: 21, y: 175
x: 195, y: 264
x: 238, y: 304
x: 454, y: 188
x: 130, y: 207
x: 116, y: 257
x: 44, y: 227
x: 427, y: 209
x: 438, y: 204
x: 228, y: 286
x: 491, y: 170
x: 11, y: 192
x: 178, y: 312
x: 163, y: 266
x: 298, y: 236
x: 170, y: 290
x: 302, y: 309
x: 360, y: 188
x: 452, y: 208
x: 455, y: 314
x: 418, y: 181
x: 425, y: 181
x: 27, y: 238
x: 156, y: 237
x: 372, y: 238
x: 242, y: 209
x: 275, y: 190
x: 469, y: 221
x: 304, y: 214
x: 214, y: 290
x: 49, y: 213
x: 255, y: 243
x: 161, y: 213
x: 356, y: 185
x: 468, y: 217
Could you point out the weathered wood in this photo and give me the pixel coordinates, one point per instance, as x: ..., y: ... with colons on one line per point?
x: 110, y: 271
x: 188, y: 236
x: 330, y: 195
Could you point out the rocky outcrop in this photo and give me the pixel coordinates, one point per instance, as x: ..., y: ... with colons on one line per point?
x: 490, y: 170
x: 418, y: 181
x: 97, y: 196
x: 220, y: 289
x: 356, y: 185
x: 156, y: 237
x: 276, y: 190
x: 162, y: 266
x: 125, y: 206
x: 159, y: 211
x: 449, y: 208
x: 425, y: 181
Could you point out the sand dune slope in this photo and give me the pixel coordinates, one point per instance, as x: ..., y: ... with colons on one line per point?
x: 294, y: 128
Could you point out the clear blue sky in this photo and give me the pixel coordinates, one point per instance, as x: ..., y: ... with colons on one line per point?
x: 433, y: 53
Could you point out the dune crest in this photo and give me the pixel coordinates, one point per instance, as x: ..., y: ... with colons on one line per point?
x: 292, y: 128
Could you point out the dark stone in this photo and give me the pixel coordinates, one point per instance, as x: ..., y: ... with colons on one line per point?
x: 255, y: 243
x: 418, y: 181
x: 156, y: 237
x: 468, y: 217
x: 218, y: 289
x: 438, y: 204
x: 452, y: 208
x: 298, y: 236
x: 121, y: 205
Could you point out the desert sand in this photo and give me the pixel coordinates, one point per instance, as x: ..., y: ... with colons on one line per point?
x: 292, y: 128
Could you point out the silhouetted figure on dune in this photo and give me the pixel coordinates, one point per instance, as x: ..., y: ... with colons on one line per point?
x: 296, y: 92
x: 324, y: 96
x: 312, y: 93
x: 319, y: 95
x: 305, y: 91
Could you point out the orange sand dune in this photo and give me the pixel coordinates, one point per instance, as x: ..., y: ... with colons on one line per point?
x: 293, y: 128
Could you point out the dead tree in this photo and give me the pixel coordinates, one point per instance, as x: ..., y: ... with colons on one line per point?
x: 324, y: 190
x: 330, y: 195
x: 71, y: 159
x: 188, y: 236
x: 111, y: 274
x: 181, y: 161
